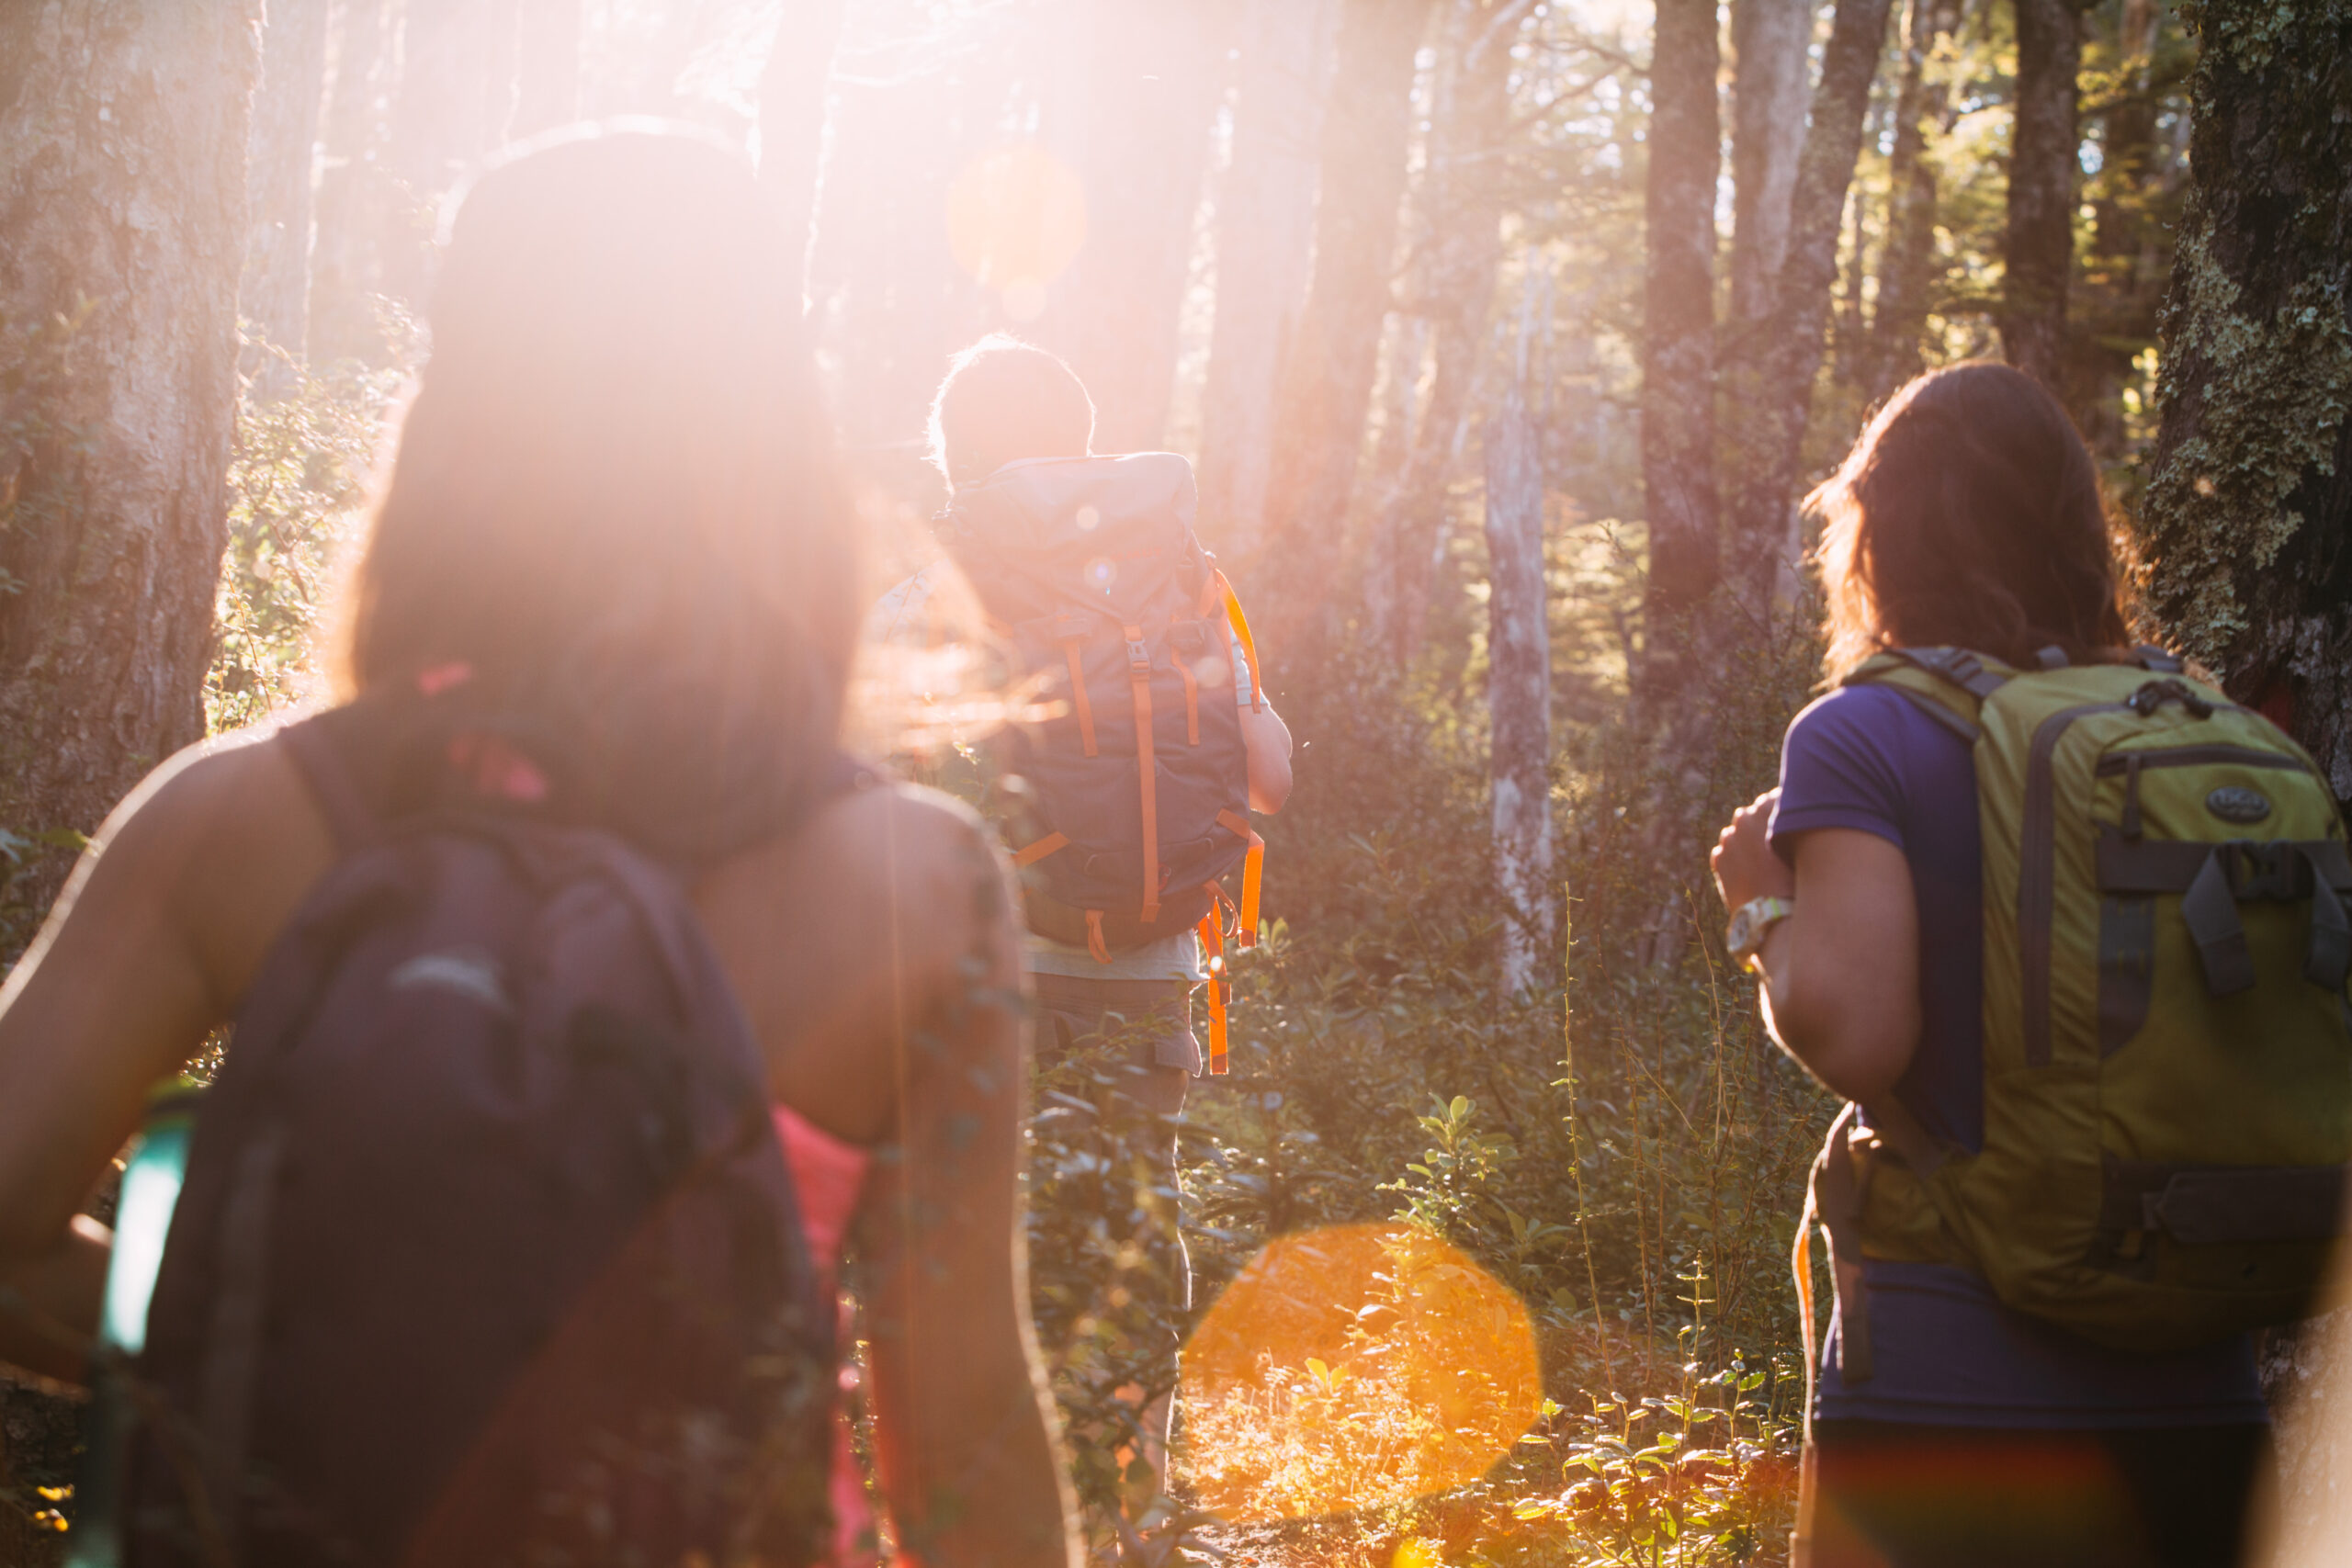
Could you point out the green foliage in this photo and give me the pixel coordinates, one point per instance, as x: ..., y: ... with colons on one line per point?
x: 296, y: 478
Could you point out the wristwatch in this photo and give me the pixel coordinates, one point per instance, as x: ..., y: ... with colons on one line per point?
x: 1749, y: 923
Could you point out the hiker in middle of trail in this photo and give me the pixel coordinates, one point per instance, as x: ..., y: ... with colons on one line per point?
x: 1132, y: 809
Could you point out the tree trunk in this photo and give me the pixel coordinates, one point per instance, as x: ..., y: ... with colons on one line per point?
x: 1463, y: 193
x: 1679, y: 339
x: 442, y: 121
x: 792, y: 124
x: 2247, y: 525
x: 1144, y: 97
x: 547, y: 84
x: 1265, y: 235
x: 353, y: 193
x: 1326, y: 380
x: 276, y: 293
x: 2125, y: 265
x: 1519, y: 689
x: 1770, y: 39
x: 1908, y: 276
x: 2037, y: 252
x: 123, y: 133
x: 1773, y: 421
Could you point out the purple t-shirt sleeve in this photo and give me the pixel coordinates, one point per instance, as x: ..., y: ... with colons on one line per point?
x: 1841, y: 766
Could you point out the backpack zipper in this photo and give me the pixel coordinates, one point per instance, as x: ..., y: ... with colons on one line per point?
x: 2037, y: 874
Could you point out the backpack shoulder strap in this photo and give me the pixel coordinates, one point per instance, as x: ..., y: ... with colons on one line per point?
x: 319, y: 755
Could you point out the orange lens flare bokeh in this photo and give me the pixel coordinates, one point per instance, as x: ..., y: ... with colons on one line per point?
x: 1016, y: 219
x: 1352, y: 1367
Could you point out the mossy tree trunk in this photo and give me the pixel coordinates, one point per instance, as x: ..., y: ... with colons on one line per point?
x: 2247, y: 523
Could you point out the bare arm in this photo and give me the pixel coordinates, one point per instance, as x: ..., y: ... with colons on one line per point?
x: 143, y: 955
x: 964, y: 1436
x: 1841, y: 975
x: 1267, y: 739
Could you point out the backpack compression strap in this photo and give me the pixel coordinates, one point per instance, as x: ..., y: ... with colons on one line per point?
x: 1218, y: 587
x: 1140, y: 682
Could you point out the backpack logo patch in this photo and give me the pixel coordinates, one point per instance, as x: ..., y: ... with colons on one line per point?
x: 2235, y: 803
x: 468, y: 972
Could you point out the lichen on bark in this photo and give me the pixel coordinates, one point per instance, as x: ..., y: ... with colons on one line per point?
x: 2247, y: 523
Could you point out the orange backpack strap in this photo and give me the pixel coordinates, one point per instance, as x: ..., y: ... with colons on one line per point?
x: 1030, y: 854
x: 1095, y: 945
x: 1212, y: 943
x: 1241, y: 624
x: 1140, y: 679
x: 1253, y: 868
x: 1077, y: 696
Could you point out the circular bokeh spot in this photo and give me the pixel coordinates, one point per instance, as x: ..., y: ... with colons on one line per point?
x: 1016, y: 219
x: 1351, y: 1368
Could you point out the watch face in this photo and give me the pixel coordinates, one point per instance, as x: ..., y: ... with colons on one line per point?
x: 1735, y: 940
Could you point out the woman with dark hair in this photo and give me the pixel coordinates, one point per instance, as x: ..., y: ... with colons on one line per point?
x: 616, y: 527
x: 1969, y: 517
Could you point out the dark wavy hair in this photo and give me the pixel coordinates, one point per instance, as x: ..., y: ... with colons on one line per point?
x: 616, y: 499
x: 1970, y: 513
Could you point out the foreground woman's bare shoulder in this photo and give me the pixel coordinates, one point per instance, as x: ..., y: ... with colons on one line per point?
x: 912, y: 862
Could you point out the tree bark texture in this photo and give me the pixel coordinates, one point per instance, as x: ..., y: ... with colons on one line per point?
x: 1772, y: 423
x: 2247, y: 523
x: 1145, y: 83
x: 1908, y: 277
x: 1518, y: 691
x: 793, y: 91
x: 1326, y: 381
x: 355, y: 192
x: 547, y: 71
x: 1679, y: 330
x: 275, y: 295
x: 1770, y: 40
x: 122, y: 209
x: 1265, y: 240
x: 123, y: 131
x: 2038, y: 250
x: 1460, y: 199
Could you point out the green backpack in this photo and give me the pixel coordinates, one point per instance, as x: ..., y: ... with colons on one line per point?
x: 2167, y: 1044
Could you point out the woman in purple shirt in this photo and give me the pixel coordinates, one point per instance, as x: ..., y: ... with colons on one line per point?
x: 1969, y: 515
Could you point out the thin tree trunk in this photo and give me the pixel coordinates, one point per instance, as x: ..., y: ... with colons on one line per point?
x: 2122, y: 316
x: 441, y: 123
x: 353, y: 195
x: 1326, y: 380
x: 792, y: 123
x: 1462, y: 194
x: 2247, y: 525
x: 1679, y: 340
x: 276, y: 293
x: 1770, y: 39
x: 1265, y: 237
x: 2038, y: 251
x: 123, y: 131
x: 1771, y: 467
x: 1519, y: 688
x: 1147, y: 93
x: 1908, y: 276
x: 547, y: 84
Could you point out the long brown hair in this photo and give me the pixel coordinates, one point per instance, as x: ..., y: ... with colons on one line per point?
x: 617, y: 501
x: 1970, y: 515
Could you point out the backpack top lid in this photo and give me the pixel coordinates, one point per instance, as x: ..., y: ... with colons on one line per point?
x: 1045, y: 505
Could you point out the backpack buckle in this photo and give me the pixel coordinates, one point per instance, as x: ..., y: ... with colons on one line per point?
x: 2262, y: 870
x: 1139, y: 657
